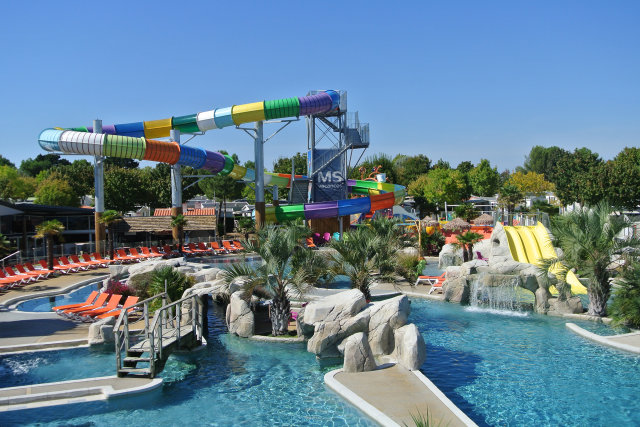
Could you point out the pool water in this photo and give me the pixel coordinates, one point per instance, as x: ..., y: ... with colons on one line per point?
x: 504, y: 368
x: 233, y: 381
x: 45, y: 304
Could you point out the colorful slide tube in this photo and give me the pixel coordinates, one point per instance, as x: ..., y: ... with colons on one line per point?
x: 133, y: 140
x: 530, y: 244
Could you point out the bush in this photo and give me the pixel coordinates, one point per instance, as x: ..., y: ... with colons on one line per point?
x: 625, y: 307
x: 432, y: 243
x: 118, y: 288
x: 177, y: 282
x: 410, y: 267
x: 139, y: 284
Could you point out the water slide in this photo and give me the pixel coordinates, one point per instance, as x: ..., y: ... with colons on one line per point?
x: 530, y: 244
x: 136, y: 141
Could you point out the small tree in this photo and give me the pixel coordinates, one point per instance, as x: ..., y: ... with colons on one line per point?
x: 466, y: 241
x: 355, y: 258
x: 466, y: 211
x: 508, y: 197
x: 625, y: 308
x: 48, y: 230
x: 109, y: 218
x: 179, y: 222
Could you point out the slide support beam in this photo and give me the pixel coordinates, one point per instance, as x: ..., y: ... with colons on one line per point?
x: 98, y: 182
x: 259, y: 160
x: 176, y: 188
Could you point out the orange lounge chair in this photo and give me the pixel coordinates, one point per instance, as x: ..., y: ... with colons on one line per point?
x: 37, y: 274
x: 216, y: 247
x: 44, y: 271
x: 131, y: 301
x: 168, y: 251
x: 65, y: 261
x: 431, y: 280
x: 134, y: 253
x: 112, y: 304
x: 197, y: 251
x: 310, y: 243
x: 26, y: 278
x: 122, y: 256
x: 188, y: 252
x: 227, y: 246
x: 10, y: 282
x: 92, y: 296
x: 238, y: 245
x: 105, y: 262
x: 95, y: 263
x: 76, y: 260
x: 22, y: 273
x: 60, y: 267
x: 205, y: 249
x: 155, y: 250
x: 145, y: 251
x: 99, y: 302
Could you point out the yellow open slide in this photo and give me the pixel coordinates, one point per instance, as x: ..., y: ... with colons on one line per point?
x: 530, y: 244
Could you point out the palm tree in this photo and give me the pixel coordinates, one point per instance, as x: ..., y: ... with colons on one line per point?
x: 287, y: 266
x: 466, y: 241
x: 48, y: 230
x: 387, y: 245
x: 354, y: 258
x: 109, y: 218
x: 589, y: 238
x: 179, y: 222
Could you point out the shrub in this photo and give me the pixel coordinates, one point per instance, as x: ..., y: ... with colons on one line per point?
x: 177, y: 282
x: 139, y: 284
x: 432, y: 243
x: 410, y: 267
x: 625, y: 307
x: 118, y: 288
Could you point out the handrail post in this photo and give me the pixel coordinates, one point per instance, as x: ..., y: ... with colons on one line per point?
x: 145, y: 312
x: 179, y: 318
x: 126, y: 331
x: 194, y: 310
x: 152, y: 353
x: 118, y: 356
x: 160, y: 339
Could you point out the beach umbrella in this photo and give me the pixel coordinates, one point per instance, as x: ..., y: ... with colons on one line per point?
x: 484, y: 219
x: 458, y: 224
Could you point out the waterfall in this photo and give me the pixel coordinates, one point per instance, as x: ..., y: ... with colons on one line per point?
x: 502, y: 297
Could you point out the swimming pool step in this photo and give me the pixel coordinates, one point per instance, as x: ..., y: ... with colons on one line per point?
x: 139, y: 372
x: 136, y: 359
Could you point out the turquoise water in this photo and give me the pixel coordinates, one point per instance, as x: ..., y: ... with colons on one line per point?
x: 520, y: 370
x: 233, y: 381
x: 44, y: 304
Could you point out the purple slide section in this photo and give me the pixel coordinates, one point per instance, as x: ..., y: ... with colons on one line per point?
x: 108, y: 129
x: 214, y: 161
x: 321, y: 210
x: 313, y: 104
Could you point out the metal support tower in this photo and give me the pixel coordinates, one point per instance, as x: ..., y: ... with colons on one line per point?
x: 98, y: 182
x: 258, y: 146
x: 176, y: 187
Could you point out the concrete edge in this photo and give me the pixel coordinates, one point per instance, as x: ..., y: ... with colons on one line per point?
x: 604, y: 340
x: 605, y: 320
x: 44, y: 346
x: 10, y: 304
x: 371, y: 411
x: 291, y: 340
x: 444, y: 399
x: 154, y: 384
x: 439, y: 297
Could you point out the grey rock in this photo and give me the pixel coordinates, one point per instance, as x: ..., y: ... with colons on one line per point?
x: 410, y: 251
x: 571, y: 305
x: 240, y: 317
x: 385, y: 317
x: 410, y: 349
x: 101, y: 332
x: 206, y: 274
x: 449, y: 255
x: 457, y: 289
x: 118, y: 271
x: 357, y: 354
x: 335, y: 307
x: 327, y: 335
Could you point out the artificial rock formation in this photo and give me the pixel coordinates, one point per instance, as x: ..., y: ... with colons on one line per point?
x: 410, y: 349
x: 101, y: 332
x: 357, y: 354
x: 384, y: 318
x: 240, y: 319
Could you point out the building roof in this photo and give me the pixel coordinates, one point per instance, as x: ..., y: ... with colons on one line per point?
x: 158, y: 224
x: 188, y: 212
x: 45, y: 210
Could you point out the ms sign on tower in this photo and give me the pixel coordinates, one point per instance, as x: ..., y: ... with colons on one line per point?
x: 329, y: 183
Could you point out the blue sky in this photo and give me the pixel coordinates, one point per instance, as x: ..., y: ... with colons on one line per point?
x: 460, y: 80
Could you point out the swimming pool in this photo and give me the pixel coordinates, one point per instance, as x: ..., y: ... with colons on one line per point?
x: 233, y: 381
x: 45, y: 304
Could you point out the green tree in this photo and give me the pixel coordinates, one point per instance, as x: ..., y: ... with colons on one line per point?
x: 123, y: 189
x: 484, y: 179
x: 442, y: 164
x: 578, y: 177
x: 440, y: 186
x: 287, y: 266
x: 466, y: 211
x: 79, y: 175
x: 49, y: 230
x: 387, y: 244
x: 6, y: 162
x: 625, y: 307
x: 466, y: 241
x: 5, y: 246
x: 110, y: 218
x: 179, y: 222
x: 544, y: 160
x: 531, y: 183
x: 176, y: 282
x: 56, y: 192
x: 354, y: 257
x: 283, y: 165
x: 465, y: 167
x: 156, y: 185
x: 622, y: 180
x: 15, y: 186
x: 589, y: 238
x: 121, y: 162
x: 388, y: 167
x: 32, y: 167
x: 410, y: 168
x: 222, y: 188
x: 509, y: 197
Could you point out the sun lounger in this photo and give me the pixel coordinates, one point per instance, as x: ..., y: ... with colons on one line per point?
x: 76, y: 260
x: 105, y: 262
x: 238, y: 245
x: 216, y: 247
x: 46, y: 271
x: 99, y: 302
x: 227, y: 246
x: 435, y: 281
x: 22, y: 273
x: 92, y: 296
x: 155, y: 250
x: 122, y: 256
x: 168, y: 251
x: 127, y: 304
x: 94, y: 262
x: 65, y: 261
x: 112, y: 304
x: 60, y: 267
x: 37, y: 274
x: 145, y: 251
x: 26, y: 278
x: 10, y: 282
x: 208, y: 251
x: 198, y: 251
x: 188, y: 252
x: 134, y: 253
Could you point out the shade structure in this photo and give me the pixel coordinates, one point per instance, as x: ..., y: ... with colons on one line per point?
x: 245, y: 113
x: 321, y: 210
x: 82, y: 143
x: 160, y: 151
x: 186, y: 124
x: 457, y: 224
x: 205, y: 120
x: 135, y: 130
x: 191, y: 156
x: 48, y: 139
x: 484, y: 219
x: 354, y: 206
x: 124, y: 147
x: 214, y: 161
x: 382, y: 201
x: 223, y: 117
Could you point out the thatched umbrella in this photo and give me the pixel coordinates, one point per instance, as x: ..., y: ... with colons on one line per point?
x: 484, y: 219
x: 458, y: 224
x: 432, y: 222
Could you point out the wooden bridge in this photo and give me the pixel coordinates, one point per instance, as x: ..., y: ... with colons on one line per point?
x: 174, y: 326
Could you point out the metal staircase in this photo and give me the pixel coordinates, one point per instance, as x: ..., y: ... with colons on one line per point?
x: 174, y: 326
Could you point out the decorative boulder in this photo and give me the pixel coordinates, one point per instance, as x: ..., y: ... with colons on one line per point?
x: 335, y: 307
x: 569, y: 306
x: 357, y: 354
x: 385, y: 317
x: 240, y: 319
x: 449, y: 255
x: 101, y: 332
x: 327, y: 335
x: 457, y: 289
x: 206, y: 274
x: 410, y: 251
x: 410, y: 349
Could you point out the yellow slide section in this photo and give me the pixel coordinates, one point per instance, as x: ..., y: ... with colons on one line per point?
x: 530, y: 244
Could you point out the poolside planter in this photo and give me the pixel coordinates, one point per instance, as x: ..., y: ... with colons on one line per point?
x: 314, y: 104
x: 354, y: 206
x: 160, y: 151
x: 214, y: 161
x: 223, y: 117
x: 382, y: 201
x: 279, y: 108
x: 82, y: 143
x: 135, y: 130
x: 192, y: 156
x: 246, y: 113
x: 238, y: 172
x: 321, y: 210
x: 157, y: 128
x: 289, y: 212
x: 205, y: 121
x: 186, y: 124
x: 124, y: 146
x: 48, y: 139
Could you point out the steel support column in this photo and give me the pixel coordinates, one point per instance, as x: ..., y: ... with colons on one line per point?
x: 98, y: 182
x: 176, y: 188
x: 259, y: 159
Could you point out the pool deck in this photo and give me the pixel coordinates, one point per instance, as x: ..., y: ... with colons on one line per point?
x: 625, y: 342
